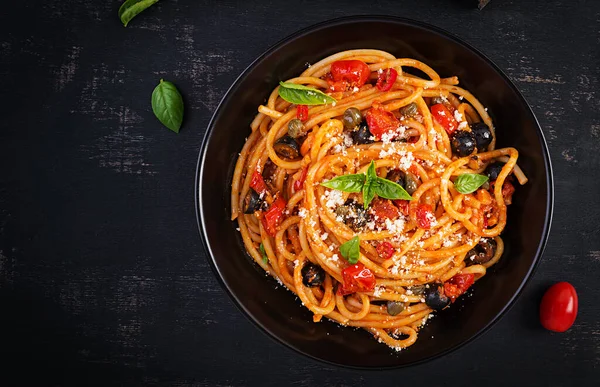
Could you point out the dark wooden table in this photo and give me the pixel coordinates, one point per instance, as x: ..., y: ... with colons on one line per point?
x: 103, y: 279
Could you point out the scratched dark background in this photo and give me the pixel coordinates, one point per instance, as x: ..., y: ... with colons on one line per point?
x: 103, y: 280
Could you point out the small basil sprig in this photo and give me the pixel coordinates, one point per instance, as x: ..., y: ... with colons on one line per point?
x: 351, y: 250
x: 167, y: 105
x: 369, y: 184
x: 263, y: 253
x: 469, y: 182
x: 131, y: 8
x: 303, y: 95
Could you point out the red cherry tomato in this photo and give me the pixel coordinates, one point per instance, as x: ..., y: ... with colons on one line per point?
x: 386, y: 79
x: 443, y: 116
x: 300, y: 182
x: 302, y: 112
x: 403, y: 206
x: 558, y: 309
x: 258, y: 183
x: 354, y: 72
x: 457, y: 285
x: 357, y: 278
x: 383, y: 209
x: 385, y: 250
x: 273, y: 217
x: 424, y: 216
x: 381, y: 122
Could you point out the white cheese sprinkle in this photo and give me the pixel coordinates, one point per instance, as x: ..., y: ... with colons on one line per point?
x: 458, y: 116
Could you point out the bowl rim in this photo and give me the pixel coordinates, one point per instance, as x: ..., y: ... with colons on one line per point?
x: 201, y: 221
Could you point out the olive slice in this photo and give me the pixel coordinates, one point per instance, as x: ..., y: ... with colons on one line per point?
x: 286, y: 147
x: 363, y: 135
x: 252, y: 202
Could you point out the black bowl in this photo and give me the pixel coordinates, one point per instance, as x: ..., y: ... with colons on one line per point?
x: 275, y: 310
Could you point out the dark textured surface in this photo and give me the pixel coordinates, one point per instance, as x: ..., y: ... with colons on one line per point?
x: 102, y: 276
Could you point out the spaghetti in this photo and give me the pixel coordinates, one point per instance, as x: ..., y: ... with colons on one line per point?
x: 316, y: 193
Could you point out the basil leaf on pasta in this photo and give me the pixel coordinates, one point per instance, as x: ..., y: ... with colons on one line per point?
x: 346, y: 183
x: 131, y: 8
x: 368, y: 192
x: 263, y: 253
x: 469, y: 182
x: 371, y: 172
x: 351, y: 250
x: 303, y: 95
x: 389, y: 190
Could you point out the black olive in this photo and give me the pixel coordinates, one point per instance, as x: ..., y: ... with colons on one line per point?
x: 463, y: 143
x: 394, y: 308
x: 252, y: 202
x: 482, y: 252
x: 397, y: 176
x: 483, y: 135
x: 296, y: 128
x: 435, y: 297
x: 351, y: 118
x: 312, y: 275
x: 493, y: 170
x: 353, y: 215
x: 287, y: 148
x: 409, y: 110
x: 363, y: 134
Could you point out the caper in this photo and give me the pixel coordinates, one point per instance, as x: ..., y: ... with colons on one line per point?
x: 417, y: 290
x: 351, y: 118
x: 411, y: 183
x: 394, y: 308
x: 409, y: 110
x: 296, y: 128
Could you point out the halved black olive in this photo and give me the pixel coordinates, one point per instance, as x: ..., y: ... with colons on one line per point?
x: 312, y: 275
x: 463, y: 143
x: 435, y: 297
x: 287, y: 148
x: 394, y: 308
x: 493, y: 170
x: 482, y: 252
x: 353, y: 215
x: 483, y: 135
x: 397, y: 176
x: 363, y: 135
x: 252, y: 202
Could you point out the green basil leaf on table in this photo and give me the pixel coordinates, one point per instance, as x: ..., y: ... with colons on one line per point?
x: 469, y: 182
x: 167, y: 105
x: 303, y: 95
x: 351, y: 250
x: 346, y: 183
x: 263, y: 253
x: 389, y: 190
x: 131, y: 8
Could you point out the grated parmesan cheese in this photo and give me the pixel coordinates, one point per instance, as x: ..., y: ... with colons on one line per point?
x: 458, y: 116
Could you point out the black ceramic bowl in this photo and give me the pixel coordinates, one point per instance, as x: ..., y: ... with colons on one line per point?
x: 275, y: 310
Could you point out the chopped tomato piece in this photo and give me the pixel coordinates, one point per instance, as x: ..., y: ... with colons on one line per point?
x: 403, y: 206
x: 385, y: 250
x: 258, y: 183
x: 457, y: 285
x: 425, y: 216
x: 273, y: 216
x: 443, y: 116
x: 302, y: 112
x: 357, y: 278
x: 348, y: 73
x: 300, y: 182
x: 381, y: 122
x: 383, y: 209
x: 386, y: 79
x: 507, y: 192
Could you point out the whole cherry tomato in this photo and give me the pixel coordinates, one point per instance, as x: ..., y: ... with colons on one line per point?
x: 558, y: 309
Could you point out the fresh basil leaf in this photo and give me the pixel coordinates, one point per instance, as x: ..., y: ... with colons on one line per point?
x: 167, y: 105
x: 351, y: 250
x: 263, y: 253
x: 469, y: 182
x: 387, y: 189
x: 371, y: 172
x: 346, y: 183
x: 368, y: 193
x: 303, y: 95
x: 131, y: 8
